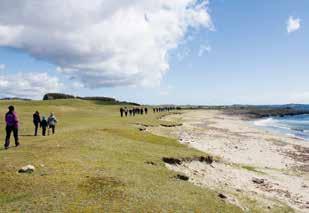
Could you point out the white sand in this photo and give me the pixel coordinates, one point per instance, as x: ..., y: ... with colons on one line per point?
x: 240, y: 144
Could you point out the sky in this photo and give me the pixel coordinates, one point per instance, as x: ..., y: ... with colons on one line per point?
x: 157, y: 52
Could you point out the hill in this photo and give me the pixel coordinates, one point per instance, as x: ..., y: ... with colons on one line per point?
x: 108, y: 100
x: 96, y: 162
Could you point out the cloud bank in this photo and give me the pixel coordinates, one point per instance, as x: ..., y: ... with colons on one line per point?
x: 293, y: 24
x: 28, y: 85
x: 102, y: 42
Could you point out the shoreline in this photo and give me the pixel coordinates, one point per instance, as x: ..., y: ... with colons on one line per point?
x: 254, y: 164
x: 284, y: 126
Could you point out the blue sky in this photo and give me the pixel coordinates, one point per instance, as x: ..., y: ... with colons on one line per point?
x: 250, y: 59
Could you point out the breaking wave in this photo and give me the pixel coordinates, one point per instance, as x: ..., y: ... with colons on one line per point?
x: 292, y: 126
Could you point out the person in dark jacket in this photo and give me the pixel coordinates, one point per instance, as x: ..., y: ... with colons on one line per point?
x: 146, y: 110
x: 11, y: 120
x: 44, y: 125
x: 121, y: 112
x: 36, y: 122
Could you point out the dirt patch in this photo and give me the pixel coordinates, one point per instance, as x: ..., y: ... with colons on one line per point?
x: 179, y: 161
x: 170, y: 125
x: 173, y: 161
x: 182, y: 177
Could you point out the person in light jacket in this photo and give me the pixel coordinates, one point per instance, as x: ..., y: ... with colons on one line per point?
x: 52, y: 121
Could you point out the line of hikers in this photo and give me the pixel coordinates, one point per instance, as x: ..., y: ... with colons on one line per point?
x: 132, y: 112
x: 12, y: 125
x: 164, y: 109
x: 144, y: 110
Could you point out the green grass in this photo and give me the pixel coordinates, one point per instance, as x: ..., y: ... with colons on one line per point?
x: 252, y: 169
x: 95, y: 163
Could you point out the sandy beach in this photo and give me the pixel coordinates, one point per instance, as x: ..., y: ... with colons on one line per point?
x: 252, y: 167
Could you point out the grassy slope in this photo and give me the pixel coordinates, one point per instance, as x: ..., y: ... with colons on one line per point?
x: 95, y: 161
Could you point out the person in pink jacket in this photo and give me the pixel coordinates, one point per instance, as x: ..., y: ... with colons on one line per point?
x: 11, y: 120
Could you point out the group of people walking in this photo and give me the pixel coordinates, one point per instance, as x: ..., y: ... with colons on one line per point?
x: 12, y: 125
x: 133, y: 111
x: 125, y: 112
x: 164, y: 109
x: 50, y: 123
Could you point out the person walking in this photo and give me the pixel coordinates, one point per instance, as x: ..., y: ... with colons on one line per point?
x: 44, y: 125
x: 121, y: 112
x: 52, y: 121
x: 36, y: 122
x: 11, y: 120
x: 126, y: 111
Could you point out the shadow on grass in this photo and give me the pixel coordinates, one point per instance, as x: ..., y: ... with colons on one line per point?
x: 11, y: 147
x: 27, y: 135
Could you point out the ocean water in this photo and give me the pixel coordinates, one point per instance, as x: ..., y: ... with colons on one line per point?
x: 294, y: 126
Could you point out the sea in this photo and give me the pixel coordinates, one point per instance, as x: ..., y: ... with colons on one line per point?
x: 296, y: 126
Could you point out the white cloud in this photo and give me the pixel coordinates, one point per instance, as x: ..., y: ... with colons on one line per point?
x: 204, y: 48
x: 28, y: 85
x: 2, y: 66
x: 293, y: 24
x: 102, y: 42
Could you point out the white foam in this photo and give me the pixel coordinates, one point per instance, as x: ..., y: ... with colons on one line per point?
x: 295, y: 136
x: 271, y: 122
x: 265, y: 122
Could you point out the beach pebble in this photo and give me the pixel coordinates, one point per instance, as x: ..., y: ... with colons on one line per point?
x: 27, y: 169
x: 257, y: 180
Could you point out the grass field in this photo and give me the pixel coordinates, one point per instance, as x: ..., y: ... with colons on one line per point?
x: 95, y: 163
